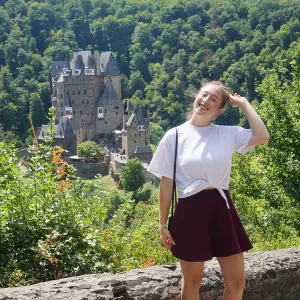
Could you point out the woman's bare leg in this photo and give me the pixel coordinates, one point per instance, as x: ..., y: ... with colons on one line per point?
x: 234, y: 276
x: 192, y: 273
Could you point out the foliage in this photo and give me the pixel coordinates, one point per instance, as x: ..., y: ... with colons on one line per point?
x: 164, y: 50
x: 266, y: 182
x: 132, y: 175
x: 89, y: 149
x: 53, y: 224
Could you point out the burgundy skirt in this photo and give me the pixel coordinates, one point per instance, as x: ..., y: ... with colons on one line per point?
x: 203, y: 227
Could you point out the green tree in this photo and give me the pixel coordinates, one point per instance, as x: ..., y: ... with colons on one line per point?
x: 89, y: 149
x: 132, y: 175
x: 156, y: 133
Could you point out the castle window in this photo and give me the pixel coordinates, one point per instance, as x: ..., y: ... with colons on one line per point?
x: 78, y: 92
x: 135, y: 142
x: 62, y: 114
x: 61, y: 96
x: 68, y: 93
x: 73, y: 79
x: 139, y: 134
x: 105, y: 122
x: 84, y: 91
x: 74, y: 112
x: 100, y: 110
x: 105, y: 110
x: 66, y: 80
x: 116, y: 107
x: 88, y: 102
x: 81, y: 112
x: 73, y: 93
x: 72, y: 101
x: 82, y: 101
x: 61, y: 105
x: 116, y: 112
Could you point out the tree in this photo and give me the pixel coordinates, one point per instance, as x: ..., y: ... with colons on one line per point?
x: 89, y: 149
x: 132, y: 175
x: 156, y: 133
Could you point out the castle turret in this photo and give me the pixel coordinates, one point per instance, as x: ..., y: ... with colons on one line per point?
x: 89, y: 68
x: 67, y: 71
x: 68, y: 107
x: 78, y: 65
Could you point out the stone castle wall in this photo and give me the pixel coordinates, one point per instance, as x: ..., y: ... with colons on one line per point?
x: 273, y: 275
x: 113, y: 115
x: 90, y: 170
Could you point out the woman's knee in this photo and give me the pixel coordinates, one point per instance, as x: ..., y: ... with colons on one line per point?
x: 193, y: 281
x: 236, y: 285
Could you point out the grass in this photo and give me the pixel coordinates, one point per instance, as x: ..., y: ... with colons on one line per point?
x: 108, y: 181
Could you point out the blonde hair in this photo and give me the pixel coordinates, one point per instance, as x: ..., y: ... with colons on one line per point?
x: 225, y: 93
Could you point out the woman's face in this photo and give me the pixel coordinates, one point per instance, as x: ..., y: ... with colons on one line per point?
x: 208, y: 101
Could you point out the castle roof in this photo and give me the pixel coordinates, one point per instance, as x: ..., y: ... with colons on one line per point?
x: 56, y: 67
x: 131, y: 118
x: 81, y: 59
x: 109, y: 96
x: 68, y: 101
x: 79, y: 62
x: 128, y: 106
x: 67, y: 64
x: 140, y: 117
x: 43, y: 132
x: 89, y: 64
x: 143, y: 149
x: 63, y: 129
x: 108, y: 64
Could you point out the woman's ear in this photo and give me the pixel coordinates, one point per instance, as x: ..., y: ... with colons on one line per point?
x: 220, y: 110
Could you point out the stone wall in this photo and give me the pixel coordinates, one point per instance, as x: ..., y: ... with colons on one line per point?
x: 90, y: 170
x: 270, y: 276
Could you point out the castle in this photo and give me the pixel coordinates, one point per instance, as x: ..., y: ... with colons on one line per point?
x: 87, y: 101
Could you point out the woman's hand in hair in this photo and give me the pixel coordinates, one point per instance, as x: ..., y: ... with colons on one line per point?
x: 236, y: 100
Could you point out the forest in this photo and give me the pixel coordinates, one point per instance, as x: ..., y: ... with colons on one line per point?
x: 54, y: 225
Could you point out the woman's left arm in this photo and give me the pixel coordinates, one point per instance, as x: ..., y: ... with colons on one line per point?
x: 260, y: 134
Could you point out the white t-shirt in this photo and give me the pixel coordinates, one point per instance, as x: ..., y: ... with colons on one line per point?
x: 204, y: 156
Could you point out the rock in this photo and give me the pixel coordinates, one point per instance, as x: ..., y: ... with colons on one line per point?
x: 271, y: 275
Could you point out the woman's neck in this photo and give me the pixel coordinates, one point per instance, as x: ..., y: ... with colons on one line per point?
x: 198, y: 121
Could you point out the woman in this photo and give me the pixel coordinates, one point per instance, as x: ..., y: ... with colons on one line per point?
x: 205, y: 223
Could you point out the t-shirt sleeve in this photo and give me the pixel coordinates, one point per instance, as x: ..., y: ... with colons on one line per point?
x: 241, y: 139
x: 163, y: 159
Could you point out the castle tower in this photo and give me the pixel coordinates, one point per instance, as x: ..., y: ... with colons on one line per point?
x: 67, y: 71
x: 135, y: 136
x: 68, y: 107
x: 110, y: 71
x: 89, y: 68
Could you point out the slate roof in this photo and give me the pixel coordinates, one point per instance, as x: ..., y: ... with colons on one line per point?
x: 68, y: 101
x: 89, y: 64
x: 56, y: 67
x: 128, y: 123
x: 140, y: 117
x: 43, y: 132
x: 128, y: 106
x: 81, y: 59
x: 143, y: 149
x: 67, y: 64
x: 108, y: 64
x: 63, y: 129
x: 109, y: 96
